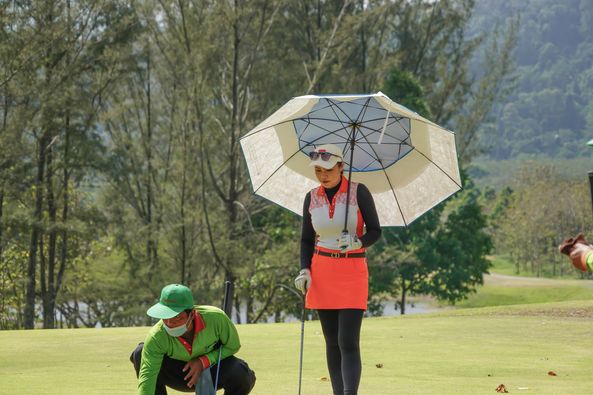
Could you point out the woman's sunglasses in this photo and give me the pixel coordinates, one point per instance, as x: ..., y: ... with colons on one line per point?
x: 325, y: 156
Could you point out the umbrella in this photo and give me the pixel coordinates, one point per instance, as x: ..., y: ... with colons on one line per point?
x: 408, y: 163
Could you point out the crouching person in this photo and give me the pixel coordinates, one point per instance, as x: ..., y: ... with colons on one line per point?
x: 580, y: 252
x: 184, y: 345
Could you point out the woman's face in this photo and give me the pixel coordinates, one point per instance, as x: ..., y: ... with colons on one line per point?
x: 329, y: 178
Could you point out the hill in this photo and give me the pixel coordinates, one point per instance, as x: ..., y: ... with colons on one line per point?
x: 550, y: 111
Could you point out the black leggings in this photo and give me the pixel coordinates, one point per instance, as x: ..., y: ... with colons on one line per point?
x: 341, y: 329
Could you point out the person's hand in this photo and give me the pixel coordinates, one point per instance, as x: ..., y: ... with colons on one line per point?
x: 577, y: 249
x: 303, y: 281
x: 578, y: 255
x: 194, y: 369
x: 348, y: 242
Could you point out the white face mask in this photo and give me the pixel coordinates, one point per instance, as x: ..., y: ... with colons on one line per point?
x: 178, y: 330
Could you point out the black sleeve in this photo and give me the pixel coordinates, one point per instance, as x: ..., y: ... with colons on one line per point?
x: 307, y: 235
x: 366, y: 204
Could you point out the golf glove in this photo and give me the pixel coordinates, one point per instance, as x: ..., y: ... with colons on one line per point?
x: 303, y: 281
x: 347, y: 242
x: 578, y: 249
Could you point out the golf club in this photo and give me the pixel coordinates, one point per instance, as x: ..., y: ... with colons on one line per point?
x: 302, y: 341
x: 302, y: 299
x: 226, y: 308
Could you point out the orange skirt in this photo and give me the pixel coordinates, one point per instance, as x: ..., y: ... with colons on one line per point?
x: 338, y: 283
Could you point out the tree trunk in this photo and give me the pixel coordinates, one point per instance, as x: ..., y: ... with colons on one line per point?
x: 1, y: 228
x: 150, y: 243
x: 35, y: 234
x: 402, y: 302
x: 65, y: 202
x: 48, y: 289
x: 238, y: 311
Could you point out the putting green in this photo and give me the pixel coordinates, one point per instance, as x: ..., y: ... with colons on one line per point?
x: 469, y: 351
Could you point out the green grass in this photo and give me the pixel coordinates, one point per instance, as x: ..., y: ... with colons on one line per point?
x: 467, y: 351
x: 501, y: 289
x: 503, y: 265
x: 501, y: 296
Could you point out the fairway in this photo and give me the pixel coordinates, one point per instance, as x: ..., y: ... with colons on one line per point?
x: 468, y: 351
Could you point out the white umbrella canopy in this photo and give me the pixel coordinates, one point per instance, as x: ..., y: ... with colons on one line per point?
x: 408, y: 163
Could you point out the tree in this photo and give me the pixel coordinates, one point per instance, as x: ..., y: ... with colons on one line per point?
x: 457, y: 251
x: 442, y: 254
x: 544, y: 209
x: 52, y: 95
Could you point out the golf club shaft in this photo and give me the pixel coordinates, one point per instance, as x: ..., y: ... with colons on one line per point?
x: 225, y: 307
x: 302, y: 343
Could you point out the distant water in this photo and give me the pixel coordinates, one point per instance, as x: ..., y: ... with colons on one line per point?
x: 389, y: 309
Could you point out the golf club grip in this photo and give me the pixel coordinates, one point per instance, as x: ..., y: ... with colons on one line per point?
x: 227, y: 303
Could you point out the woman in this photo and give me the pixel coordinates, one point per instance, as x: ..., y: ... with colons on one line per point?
x: 334, y: 271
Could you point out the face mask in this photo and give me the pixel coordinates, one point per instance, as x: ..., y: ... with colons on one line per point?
x: 178, y: 330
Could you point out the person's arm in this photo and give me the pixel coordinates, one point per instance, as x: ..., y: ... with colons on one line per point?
x: 307, y: 235
x: 589, y: 261
x: 152, y: 359
x: 580, y: 252
x: 366, y: 204
x: 229, y: 338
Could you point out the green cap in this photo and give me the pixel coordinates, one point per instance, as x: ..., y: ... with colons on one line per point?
x: 174, y: 299
x: 590, y: 143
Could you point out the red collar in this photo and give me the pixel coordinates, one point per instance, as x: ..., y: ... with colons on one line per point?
x: 343, y: 187
x: 199, y: 325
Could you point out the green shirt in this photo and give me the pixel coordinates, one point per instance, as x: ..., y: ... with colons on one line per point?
x: 211, y: 325
x: 589, y: 261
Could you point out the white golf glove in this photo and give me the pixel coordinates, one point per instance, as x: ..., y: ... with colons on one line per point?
x: 348, y: 242
x: 303, y: 281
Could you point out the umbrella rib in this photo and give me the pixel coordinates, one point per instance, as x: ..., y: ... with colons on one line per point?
x: 352, y: 102
x: 353, y: 133
x: 437, y: 166
x: 333, y: 107
x: 386, y: 133
x: 392, y: 115
x: 390, y: 184
x: 366, y: 152
x: 275, y: 171
x: 363, y: 111
x: 329, y: 132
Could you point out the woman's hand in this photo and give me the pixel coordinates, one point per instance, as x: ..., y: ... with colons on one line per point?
x: 303, y: 281
x: 347, y: 242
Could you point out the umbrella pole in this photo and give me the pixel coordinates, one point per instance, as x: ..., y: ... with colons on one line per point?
x: 352, y: 141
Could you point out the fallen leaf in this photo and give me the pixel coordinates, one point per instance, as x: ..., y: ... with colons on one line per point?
x: 502, y: 388
x: 552, y: 373
x: 323, y: 378
x: 379, y: 365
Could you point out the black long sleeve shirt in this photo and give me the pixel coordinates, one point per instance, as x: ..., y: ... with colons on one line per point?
x: 366, y: 204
